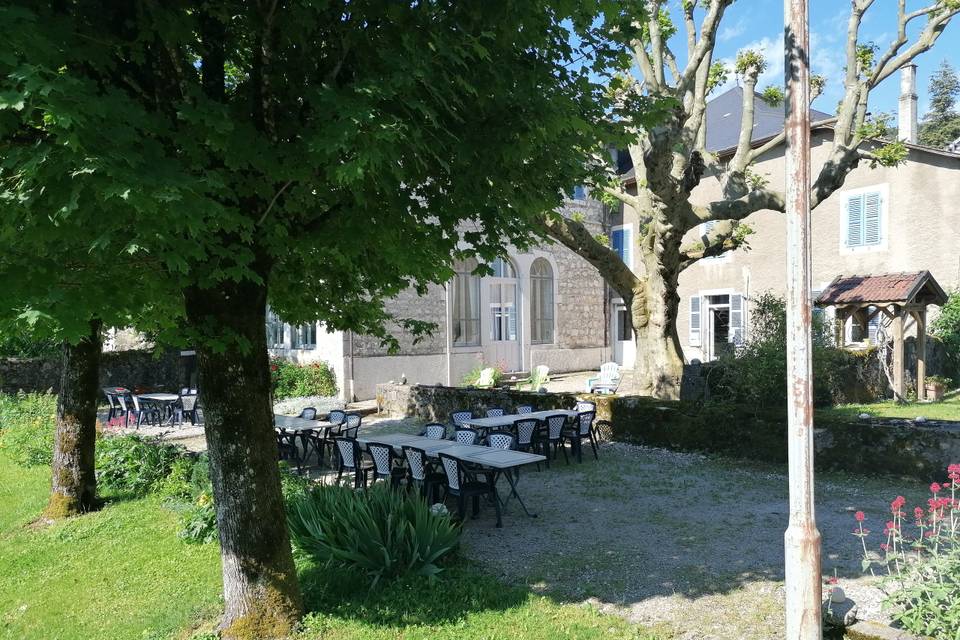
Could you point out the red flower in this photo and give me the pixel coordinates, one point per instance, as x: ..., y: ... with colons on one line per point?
x: 832, y: 580
x: 273, y: 367
x: 860, y: 516
x: 898, y: 502
x: 935, y: 488
x: 885, y: 547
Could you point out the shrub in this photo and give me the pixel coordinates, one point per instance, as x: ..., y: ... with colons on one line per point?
x: 947, y: 328
x: 133, y: 464
x: 291, y: 380
x: 920, y: 557
x: 27, y: 425
x: 381, y: 533
x: 472, y: 377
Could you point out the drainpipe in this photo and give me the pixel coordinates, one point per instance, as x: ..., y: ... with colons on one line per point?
x: 802, y: 539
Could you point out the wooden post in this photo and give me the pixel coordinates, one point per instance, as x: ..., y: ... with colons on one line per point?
x: 921, y: 353
x: 801, y: 540
x: 898, y: 368
x: 839, y: 326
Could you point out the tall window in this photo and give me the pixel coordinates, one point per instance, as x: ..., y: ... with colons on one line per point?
x: 465, y: 322
x: 275, y: 339
x: 541, y: 302
x: 864, y: 220
x: 621, y: 241
x: 503, y: 301
x: 304, y: 336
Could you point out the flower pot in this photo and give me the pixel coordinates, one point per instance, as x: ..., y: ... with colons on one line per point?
x: 935, y: 391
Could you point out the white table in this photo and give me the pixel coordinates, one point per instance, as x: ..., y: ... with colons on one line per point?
x: 301, y: 427
x: 508, y: 420
x: 165, y: 399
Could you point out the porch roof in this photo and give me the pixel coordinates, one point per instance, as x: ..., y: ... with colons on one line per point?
x: 916, y: 288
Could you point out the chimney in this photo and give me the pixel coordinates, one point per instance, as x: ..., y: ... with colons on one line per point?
x: 907, y: 121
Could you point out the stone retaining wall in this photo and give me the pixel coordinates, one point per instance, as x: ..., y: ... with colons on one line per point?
x: 888, y: 447
x: 131, y: 369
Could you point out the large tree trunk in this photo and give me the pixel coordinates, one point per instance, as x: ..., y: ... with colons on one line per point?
x: 261, y: 594
x: 658, y: 371
x: 74, y: 485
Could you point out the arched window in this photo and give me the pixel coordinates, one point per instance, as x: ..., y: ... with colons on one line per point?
x: 503, y: 269
x: 541, y: 302
x: 465, y: 322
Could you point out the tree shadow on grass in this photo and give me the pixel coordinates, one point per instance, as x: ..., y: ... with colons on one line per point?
x: 416, y: 600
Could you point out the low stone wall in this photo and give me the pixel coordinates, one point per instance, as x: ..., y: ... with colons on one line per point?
x: 131, y: 369
x: 873, y: 447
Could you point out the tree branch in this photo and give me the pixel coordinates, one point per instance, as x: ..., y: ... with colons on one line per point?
x: 708, y: 37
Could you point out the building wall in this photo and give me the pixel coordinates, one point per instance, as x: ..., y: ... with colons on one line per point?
x: 921, y: 232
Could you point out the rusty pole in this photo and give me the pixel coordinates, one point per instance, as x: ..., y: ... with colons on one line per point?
x: 801, y: 540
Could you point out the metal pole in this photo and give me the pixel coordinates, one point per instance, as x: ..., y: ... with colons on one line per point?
x: 801, y: 540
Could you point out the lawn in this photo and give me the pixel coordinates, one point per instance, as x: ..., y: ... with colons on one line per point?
x: 949, y: 409
x: 123, y: 573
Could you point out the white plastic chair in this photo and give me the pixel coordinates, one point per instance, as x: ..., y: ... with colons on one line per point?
x: 608, y: 381
x: 486, y: 379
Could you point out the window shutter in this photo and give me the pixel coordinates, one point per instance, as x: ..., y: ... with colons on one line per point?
x: 628, y: 247
x: 855, y: 221
x: 695, y: 321
x: 617, y: 241
x: 873, y: 327
x: 871, y: 219
x: 736, y: 319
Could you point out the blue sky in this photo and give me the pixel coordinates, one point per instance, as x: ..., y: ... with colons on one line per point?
x: 758, y: 24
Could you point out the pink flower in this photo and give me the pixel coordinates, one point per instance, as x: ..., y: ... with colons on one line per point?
x: 832, y: 580
x: 860, y: 516
x: 897, y: 503
x: 935, y: 488
x: 885, y: 547
x: 918, y: 512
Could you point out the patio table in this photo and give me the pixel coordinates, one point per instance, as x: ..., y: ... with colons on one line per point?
x: 506, y: 421
x: 165, y: 400
x: 301, y: 427
x: 500, y: 461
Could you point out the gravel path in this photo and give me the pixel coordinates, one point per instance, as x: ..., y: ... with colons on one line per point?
x: 677, y: 540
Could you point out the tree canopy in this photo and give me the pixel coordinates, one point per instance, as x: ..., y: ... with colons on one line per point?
x: 941, y: 125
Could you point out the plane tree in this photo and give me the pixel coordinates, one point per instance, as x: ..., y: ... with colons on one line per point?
x: 323, y: 155
x: 670, y: 160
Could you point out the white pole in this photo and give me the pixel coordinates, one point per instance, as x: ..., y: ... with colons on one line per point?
x: 801, y: 540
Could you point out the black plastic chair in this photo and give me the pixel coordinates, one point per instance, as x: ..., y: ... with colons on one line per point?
x: 336, y: 417
x: 582, y: 429
x: 463, y: 483
x: 351, y: 425
x: 435, y: 431
x: 527, y: 431
x: 114, y: 405
x: 350, y: 459
x: 495, y: 412
x: 466, y: 435
x: 309, y: 413
x: 458, y: 417
x: 524, y: 408
x: 422, y: 474
x: 287, y: 449
x: 551, y: 435
x: 501, y: 440
x: 585, y: 405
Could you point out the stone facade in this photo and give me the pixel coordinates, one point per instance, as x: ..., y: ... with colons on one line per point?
x: 131, y: 369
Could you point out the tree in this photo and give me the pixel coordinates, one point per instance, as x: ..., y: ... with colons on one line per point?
x: 671, y: 159
x: 941, y: 125
x: 324, y: 155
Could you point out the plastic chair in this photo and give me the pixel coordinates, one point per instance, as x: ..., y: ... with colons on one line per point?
x: 463, y: 483
x: 466, y: 435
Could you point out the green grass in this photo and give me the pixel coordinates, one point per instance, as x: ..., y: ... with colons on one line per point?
x: 948, y: 409
x: 123, y: 573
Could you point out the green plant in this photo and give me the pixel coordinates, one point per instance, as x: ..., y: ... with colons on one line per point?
x: 27, y: 425
x: 921, y: 560
x: 291, y: 380
x: 472, y: 377
x: 947, y: 328
x: 939, y: 380
x: 198, y: 520
x: 136, y: 465
x: 381, y: 532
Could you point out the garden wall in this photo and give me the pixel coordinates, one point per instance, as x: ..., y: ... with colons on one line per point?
x: 131, y: 369
x: 889, y: 447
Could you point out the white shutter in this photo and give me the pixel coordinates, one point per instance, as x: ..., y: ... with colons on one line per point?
x: 628, y: 246
x: 873, y: 326
x: 871, y: 219
x: 695, y: 321
x: 736, y: 319
x: 854, y: 221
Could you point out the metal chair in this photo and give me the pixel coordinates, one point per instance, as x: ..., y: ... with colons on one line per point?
x: 351, y: 460
x: 384, y: 467
x: 463, y: 483
x: 582, y: 429
x: 421, y: 473
x: 500, y: 440
x: 435, y: 431
x: 553, y: 436
x: 466, y: 435
x: 458, y: 417
x: 495, y: 412
x: 524, y: 408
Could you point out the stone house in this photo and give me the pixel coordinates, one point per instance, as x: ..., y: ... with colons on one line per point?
x: 883, y: 220
x: 541, y: 307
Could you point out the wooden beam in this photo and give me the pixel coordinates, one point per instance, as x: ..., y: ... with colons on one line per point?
x: 898, y: 382
x: 921, y: 354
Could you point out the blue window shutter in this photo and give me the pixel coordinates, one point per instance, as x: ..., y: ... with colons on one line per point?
x: 855, y: 221
x: 871, y: 218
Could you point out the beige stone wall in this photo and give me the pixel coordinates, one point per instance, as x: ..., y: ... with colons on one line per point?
x: 922, y: 231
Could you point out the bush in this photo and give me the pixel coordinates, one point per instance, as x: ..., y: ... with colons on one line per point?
x: 382, y: 533
x: 28, y: 422
x: 291, y: 380
x: 947, y: 328
x: 472, y: 377
x: 136, y: 465
x: 920, y: 557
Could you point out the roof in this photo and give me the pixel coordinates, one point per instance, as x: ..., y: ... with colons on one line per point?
x: 726, y: 110
x: 918, y: 287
